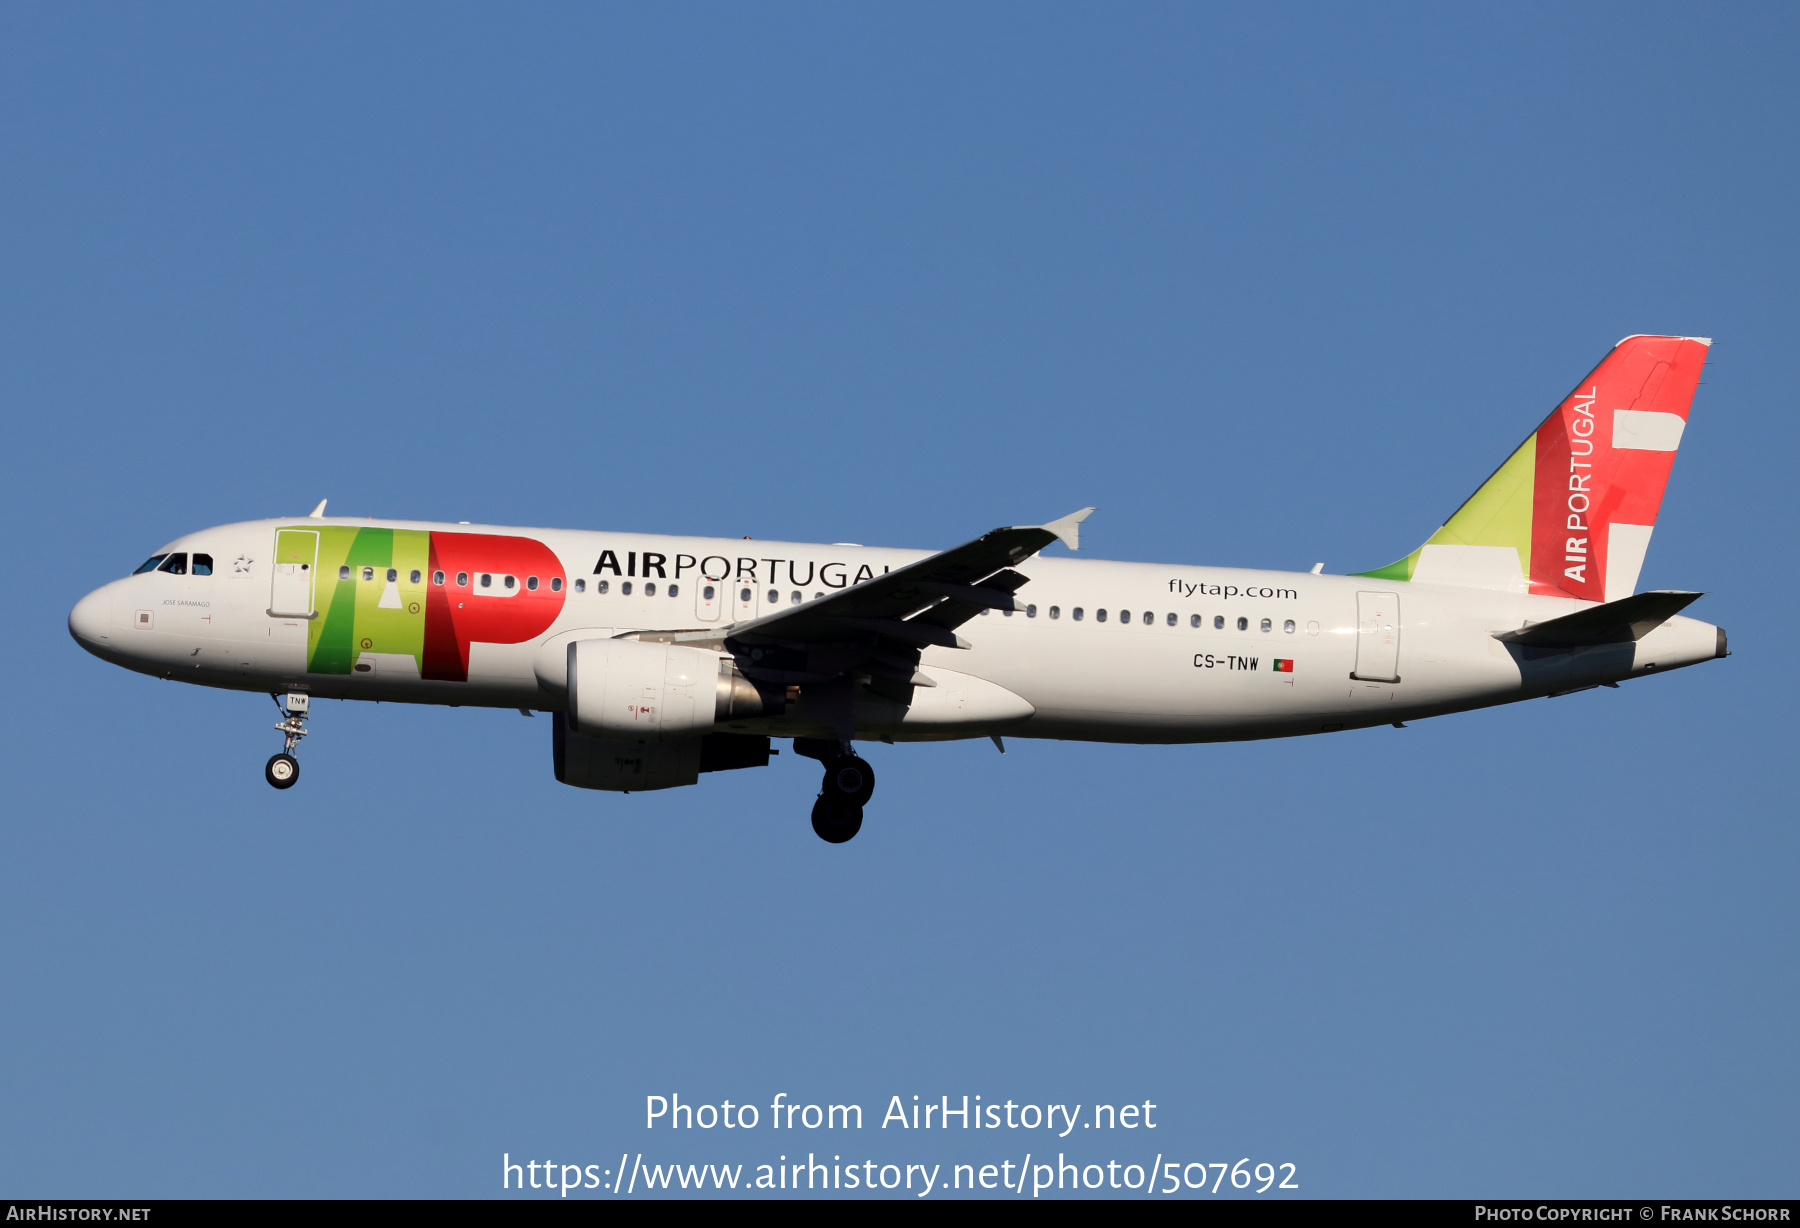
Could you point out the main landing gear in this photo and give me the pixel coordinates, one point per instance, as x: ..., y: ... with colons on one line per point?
x: 849, y: 783
x: 283, y: 770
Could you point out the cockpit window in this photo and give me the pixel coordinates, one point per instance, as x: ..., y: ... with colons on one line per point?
x: 203, y: 564
x: 175, y: 565
x: 150, y: 564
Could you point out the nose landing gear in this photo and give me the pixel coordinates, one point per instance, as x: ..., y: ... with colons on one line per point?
x: 283, y: 770
x: 849, y: 783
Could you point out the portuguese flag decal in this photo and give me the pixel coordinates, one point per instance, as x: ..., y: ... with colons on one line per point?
x: 1283, y: 667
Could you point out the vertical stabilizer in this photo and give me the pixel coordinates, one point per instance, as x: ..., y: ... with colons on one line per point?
x: 1571, y: 511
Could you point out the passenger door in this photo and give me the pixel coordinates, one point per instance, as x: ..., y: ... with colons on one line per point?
x: 1377, y: 637
x: 292, y: 584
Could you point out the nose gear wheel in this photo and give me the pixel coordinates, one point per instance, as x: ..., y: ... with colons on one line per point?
x: 283, y: 770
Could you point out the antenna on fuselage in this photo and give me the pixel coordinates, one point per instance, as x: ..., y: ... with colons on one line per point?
x: 318, y: 513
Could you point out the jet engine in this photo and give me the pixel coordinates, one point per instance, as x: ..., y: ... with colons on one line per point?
x: 634, y: 691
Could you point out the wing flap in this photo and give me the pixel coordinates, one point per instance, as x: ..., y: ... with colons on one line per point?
x: 874, y: 632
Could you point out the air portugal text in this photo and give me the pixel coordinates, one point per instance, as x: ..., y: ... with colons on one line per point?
x: 650, y: 565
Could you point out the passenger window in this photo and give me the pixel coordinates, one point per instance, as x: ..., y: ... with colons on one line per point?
x: 1076, y: 614
x: 1171, y: 620
x: 393, y: 575
x: 412, y: 577
x: 510, y: 582
x: 650, y: 589
x: 706, y: 592
x: 601, y: 586
x: 487, y: 580
x: 1288, y: 626
x: 984, y: 611
x: 774, y: 597
x: 1150, y: 618
x: 556, y: 584
x: 580, y: 585
x: 1055, y: 611
x: 203, y: 564
x: 368, y: 573
x: 344, y: 573
x: 462, y: 579
x: 1243, y: 624
x: 674, y: 590
x: 175, y: 565
x: 1193, y: 620
x: 1267, y: 625
x: 531, y: 583
x: 816, y: 596
x: 744, y: 596
x: 1312, y: 628
x: 1099, y: 616
x: 437, y: 577
x: 795, y: 599
x: 1218, y: 622
x: 149, y: 564
x: 625, y: 589
x: 1030, y: 611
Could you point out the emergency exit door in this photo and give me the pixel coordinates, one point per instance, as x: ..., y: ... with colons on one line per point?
x: 710, y: 597
x: 1377, y: 637
x: 295, y: 571
x: 745, y: 603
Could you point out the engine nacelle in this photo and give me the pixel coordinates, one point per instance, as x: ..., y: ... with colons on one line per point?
x: 638, y: 692
x: 652, y: 692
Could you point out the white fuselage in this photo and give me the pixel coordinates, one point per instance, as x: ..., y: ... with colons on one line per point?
x: 1118, y: 652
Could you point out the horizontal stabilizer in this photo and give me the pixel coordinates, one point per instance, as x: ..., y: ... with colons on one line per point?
x: 1616, y: 622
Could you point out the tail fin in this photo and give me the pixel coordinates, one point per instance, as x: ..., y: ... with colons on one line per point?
x: 1570, y: 512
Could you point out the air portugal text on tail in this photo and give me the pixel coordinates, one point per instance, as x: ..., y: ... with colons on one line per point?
x: 661, y: 659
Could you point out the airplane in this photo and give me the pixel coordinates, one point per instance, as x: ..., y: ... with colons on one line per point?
x: 663, y: 658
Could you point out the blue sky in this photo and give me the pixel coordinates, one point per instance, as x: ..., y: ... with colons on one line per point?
x: 1268, y: 287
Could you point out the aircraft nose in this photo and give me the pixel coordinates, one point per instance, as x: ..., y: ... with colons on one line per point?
x: 90, y: 622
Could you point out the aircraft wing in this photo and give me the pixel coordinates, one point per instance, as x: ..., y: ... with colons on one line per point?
x: 881, y: 624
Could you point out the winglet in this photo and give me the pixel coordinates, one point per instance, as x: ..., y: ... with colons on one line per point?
x: 1069, y: 527
x: 318, y: 513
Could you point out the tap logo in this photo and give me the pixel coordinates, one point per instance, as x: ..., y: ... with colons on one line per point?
x: 415, y: 600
